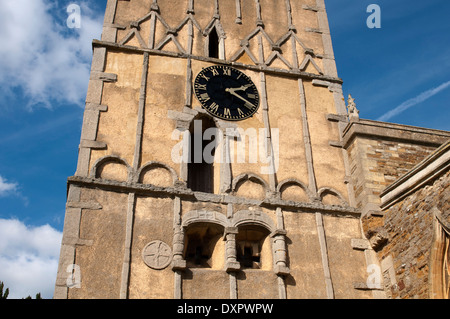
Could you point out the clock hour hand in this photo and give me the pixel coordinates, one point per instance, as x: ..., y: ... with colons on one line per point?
x: 247, y: 104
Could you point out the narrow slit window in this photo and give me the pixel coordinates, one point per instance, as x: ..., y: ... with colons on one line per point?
x: 213, y: 45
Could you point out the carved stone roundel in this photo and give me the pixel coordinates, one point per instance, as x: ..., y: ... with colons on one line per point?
x: 157, y: 255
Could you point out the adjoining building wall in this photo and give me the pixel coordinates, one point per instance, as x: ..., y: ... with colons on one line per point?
x: 380, y: 153
x: 410, y: 233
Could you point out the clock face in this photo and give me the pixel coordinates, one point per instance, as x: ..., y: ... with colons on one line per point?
x: 226, y: 93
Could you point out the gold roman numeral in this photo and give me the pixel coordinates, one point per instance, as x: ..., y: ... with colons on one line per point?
x: 204, y: 97
x: 205, y: 77
x: 213, y: 106
x: 226, y: 71
x: 199, y: 86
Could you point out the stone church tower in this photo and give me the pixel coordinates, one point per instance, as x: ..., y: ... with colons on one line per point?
x: 211, y: 162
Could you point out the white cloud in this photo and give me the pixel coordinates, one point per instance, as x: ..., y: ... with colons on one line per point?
x: 7, y: 188
x: 28, y: 258
x: 40, y: 55
x: 414, y: 101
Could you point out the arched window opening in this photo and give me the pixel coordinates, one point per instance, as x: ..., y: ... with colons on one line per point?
x: 203, y: 246
x: 440, y: 258
x: 213, y: 44
x: 251, y: 243
x: 201, y: 155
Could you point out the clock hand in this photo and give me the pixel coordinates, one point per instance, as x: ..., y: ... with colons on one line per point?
x: 242, y: 88
x: 247, y: 104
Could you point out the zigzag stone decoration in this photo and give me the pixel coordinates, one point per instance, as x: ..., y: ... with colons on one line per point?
x: 171, y: 35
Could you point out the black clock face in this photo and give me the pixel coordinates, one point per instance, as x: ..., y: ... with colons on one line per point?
x: 226, y: 93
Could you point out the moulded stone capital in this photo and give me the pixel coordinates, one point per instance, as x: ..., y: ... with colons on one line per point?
x: 232, y: 266
x: 178, y: 264
x: 282, y: 270
x: 278, y: 232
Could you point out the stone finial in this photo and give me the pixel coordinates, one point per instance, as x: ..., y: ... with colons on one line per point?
x: 353, y: 112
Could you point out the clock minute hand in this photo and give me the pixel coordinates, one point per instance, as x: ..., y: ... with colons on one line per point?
x: 247, y: 103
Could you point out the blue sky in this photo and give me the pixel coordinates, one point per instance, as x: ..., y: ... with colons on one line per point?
x: 398, y: 73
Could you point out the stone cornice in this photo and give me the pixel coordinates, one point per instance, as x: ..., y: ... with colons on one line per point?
x: 390, y: 131
x: 426, y: 171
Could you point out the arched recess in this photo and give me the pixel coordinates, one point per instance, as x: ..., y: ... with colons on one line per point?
x: 329, y: 196
x: 439, y: 276
x: 112, y: 167
x: 250, y: 186
x: 253, y: 243
x: 294, y: 190
x: 204, y: 247
x: 158, y: 174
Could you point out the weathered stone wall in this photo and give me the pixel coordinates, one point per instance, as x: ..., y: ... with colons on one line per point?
x: 382, y: 162
x: 380, y: 153
x: 408, y: 237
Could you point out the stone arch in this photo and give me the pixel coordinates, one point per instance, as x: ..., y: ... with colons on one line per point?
x: 204, y: 216
x: 203, y: 246
x: 165, y: 175
x: 243, y: 179
x: 251, y: 217
x: 330, y: 196
x: 112, y: 167
x: 439, y: 274
x: 293, y: 183
x: 253, y: 240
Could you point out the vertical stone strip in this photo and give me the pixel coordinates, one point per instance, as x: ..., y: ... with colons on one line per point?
x: 281, y: 288
x: 72, y: 222
x: 216, y: 9
x: 190, y: 6
x: 329, y: 64
x: 127, y: 249
x: 293, y: 41
x: 141, y: 114
x: 178, y: 263
x: 268, y: 140
x: 238, y: 12
x: 91, y: 115
x: 307, y: 140
x: 188, y: 100
x: 233, y: 286
x: 225, y: 164
x: 259, y: 21
x: 289, y: 13
x: 154, y: 8
x: 324, y: 254
x: 109, y: 33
